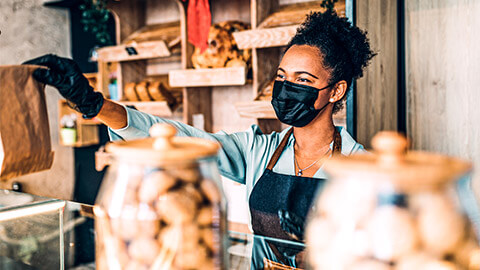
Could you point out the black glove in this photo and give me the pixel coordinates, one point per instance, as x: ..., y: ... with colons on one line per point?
x: 65, y: 75
x: 291, y: 224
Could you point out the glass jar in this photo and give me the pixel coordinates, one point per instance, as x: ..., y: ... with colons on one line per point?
x: 161, y: 205
x: 391, y: 209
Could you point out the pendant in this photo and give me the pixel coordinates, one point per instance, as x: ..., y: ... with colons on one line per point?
x: 299, y: 173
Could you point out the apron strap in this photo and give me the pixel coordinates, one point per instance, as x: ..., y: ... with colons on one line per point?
x: 279, y: 150
x: 337, y: 143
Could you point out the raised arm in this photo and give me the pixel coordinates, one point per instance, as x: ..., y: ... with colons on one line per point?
x: 65, y: 75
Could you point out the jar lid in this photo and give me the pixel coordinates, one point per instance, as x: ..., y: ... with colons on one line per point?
x: 163, y: 147
x: 390, y: 161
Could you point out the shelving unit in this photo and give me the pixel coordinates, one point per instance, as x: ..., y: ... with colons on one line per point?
x: 146, y: 52
x: 272, y: 26
x: 198, y: 85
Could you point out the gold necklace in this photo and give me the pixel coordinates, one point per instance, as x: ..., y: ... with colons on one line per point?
x: 300, y: 171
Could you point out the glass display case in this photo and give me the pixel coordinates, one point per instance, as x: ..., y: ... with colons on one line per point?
x: 31, y: 235
x: 43, y: 233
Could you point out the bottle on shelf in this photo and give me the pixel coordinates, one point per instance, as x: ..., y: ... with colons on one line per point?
x: 113, y: 87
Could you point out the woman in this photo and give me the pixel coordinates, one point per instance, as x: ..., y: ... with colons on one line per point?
x: 282, y: 171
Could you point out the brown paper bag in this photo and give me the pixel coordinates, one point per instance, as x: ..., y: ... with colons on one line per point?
x: 25, y: 145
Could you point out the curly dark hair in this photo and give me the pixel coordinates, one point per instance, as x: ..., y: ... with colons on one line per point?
x: 345, y: 48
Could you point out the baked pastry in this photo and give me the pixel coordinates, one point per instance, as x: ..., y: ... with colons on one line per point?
x: 154, y: 91
x: 142, y: 91
x: 130, y: 93
x: 222, y: 47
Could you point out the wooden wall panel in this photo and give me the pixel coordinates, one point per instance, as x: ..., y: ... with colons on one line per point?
x: 377, y: 90
x: 443, y: 62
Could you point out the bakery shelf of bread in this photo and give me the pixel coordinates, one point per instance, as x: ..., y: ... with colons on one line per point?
x: 278, y: 28
x: 154, y: 96
x: 221, y: 63
x: 208, y: 77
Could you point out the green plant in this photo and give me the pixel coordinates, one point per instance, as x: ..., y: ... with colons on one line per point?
x: 328, y: 4
x: 95, y: 16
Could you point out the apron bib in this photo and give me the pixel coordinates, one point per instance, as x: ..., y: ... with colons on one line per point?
x: 274, y: 193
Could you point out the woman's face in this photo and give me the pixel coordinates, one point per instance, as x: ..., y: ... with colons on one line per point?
x: 302, y: 64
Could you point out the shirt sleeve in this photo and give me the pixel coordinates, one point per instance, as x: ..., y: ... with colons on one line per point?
x: 231, y: 157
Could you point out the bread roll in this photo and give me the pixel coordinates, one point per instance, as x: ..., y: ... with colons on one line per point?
x: 154, y: 91
x: 142, y: 91
x: 130, y: 93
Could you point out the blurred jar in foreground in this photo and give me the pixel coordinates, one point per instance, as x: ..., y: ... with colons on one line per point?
x: 392, y: 210
x: 160, y: 206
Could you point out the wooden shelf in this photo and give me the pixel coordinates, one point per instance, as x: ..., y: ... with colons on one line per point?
x: 265, y: 38
x: 207, y: 77
x: 144, y: 50
x: 262, y: 109
x: 158, y: 108
x: 275, y: 29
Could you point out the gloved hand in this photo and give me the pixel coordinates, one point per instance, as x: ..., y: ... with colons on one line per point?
x: 65, y: 75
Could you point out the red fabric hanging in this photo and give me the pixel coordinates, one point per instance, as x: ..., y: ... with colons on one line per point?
x: 199, y: 20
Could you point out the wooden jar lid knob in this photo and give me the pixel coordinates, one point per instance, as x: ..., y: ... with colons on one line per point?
x: 163, y: 134
x: 390, y: 146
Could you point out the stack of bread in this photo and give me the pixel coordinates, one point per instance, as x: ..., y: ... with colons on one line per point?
x: 151, y: 91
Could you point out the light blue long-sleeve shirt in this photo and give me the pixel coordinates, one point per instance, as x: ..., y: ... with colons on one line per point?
x: 243, y: 156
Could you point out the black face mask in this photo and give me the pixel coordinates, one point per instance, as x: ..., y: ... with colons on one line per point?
x: 294, y: 103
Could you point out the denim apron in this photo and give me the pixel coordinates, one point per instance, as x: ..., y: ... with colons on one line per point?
x: 274, y: 193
